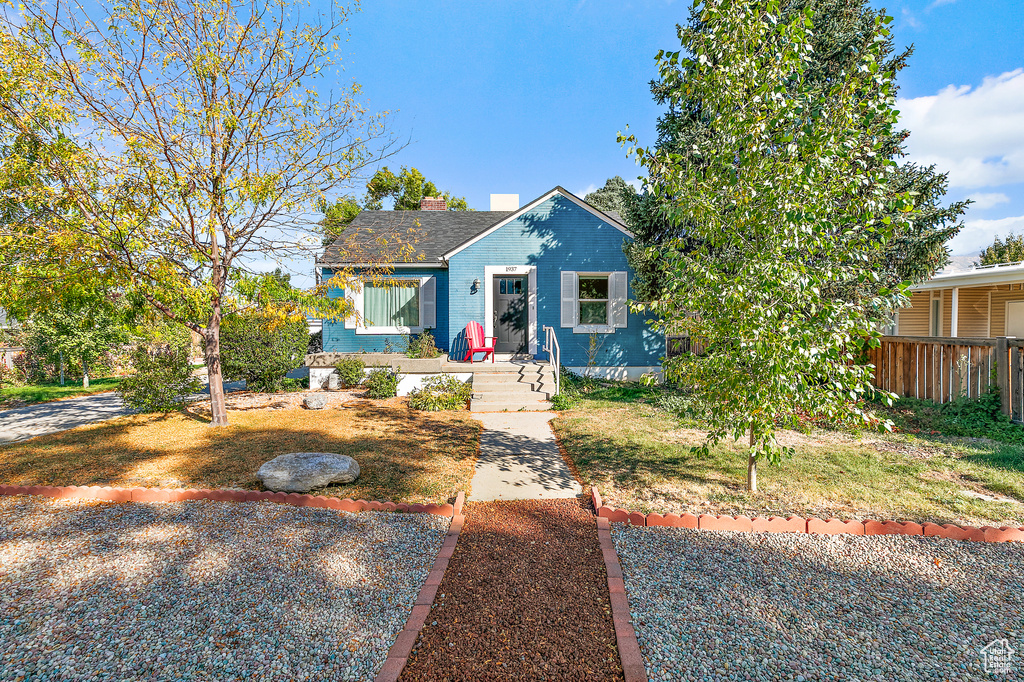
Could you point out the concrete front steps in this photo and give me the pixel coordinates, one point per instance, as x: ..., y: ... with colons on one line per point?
x: 505, y: 387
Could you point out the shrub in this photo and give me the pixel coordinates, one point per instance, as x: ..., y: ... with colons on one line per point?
x: 421, y: 345
x: 162, y: 379
x: 350, y: 371
x: 261, y: 347
x: 442, y: 392
x: 382, y: 383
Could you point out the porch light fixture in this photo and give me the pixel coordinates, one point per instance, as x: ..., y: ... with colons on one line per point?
x: 476, y: 285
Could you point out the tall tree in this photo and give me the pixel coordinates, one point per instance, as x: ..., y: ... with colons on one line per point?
x: 1010, y: 250
x: 337, y: 217
x: 79, y: 331
x: 840, y: 37
x: 781, y: 200
x: 406, y: 189
x: 205, y: 132
x: 609, y: 197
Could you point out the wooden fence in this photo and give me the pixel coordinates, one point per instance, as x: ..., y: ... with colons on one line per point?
x: 944, y: 369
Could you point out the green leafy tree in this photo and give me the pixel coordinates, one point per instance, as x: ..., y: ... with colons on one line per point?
x: 1010, y: 250
x: 206, y: 132
x: 406, y: 189
x: 261, y: 347
x: 79, y: 332
x: 841, y: 36
x: 337, y: 217
x: 609, y: 197
x: 781, y: 202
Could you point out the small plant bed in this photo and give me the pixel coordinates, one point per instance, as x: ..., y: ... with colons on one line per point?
x: 19, y: 396
x: 404, y: 455
x: 640, y: 457
x: 524, y: 597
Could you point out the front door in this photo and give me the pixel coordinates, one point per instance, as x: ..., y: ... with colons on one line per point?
x: 510, y: 314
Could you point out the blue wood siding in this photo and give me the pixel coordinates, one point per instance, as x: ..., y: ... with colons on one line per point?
x: 555, y: 235
x: 337, y: 339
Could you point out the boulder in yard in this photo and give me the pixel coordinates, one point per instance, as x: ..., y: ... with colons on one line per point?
x: 315, y: 402
x: 300, y: 472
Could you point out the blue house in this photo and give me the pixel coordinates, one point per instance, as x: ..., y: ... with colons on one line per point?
x: 555, y: 262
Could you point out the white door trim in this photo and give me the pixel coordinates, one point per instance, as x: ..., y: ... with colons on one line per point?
x: 490, y: 272
x: 1006, y: 315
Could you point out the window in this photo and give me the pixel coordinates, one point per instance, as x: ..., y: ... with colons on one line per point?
x: 403, y: 305
x: 396, y: 305
x: 594, y: 302
x: 936, y: 318
x: 593, y: 299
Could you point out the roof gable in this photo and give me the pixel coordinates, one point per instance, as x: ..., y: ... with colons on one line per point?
x: 442, y: 234
x: 601, y: 215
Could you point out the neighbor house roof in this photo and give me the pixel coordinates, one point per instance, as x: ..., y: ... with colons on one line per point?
x: 1007, y: 273
x: 437, y: 234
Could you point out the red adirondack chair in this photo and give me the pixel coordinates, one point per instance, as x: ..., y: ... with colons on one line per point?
x: 478, y: 342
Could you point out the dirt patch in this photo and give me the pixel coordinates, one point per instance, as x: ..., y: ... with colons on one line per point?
x: 786, y: 438
x: 525, y: 597
x: 239, y: 402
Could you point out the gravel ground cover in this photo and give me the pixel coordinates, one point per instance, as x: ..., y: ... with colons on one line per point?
x: 764, y: 606
x: 204, y: 590
x: 525, y: 597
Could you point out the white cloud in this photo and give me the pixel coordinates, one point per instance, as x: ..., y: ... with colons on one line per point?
x: 940, y: 3
x: 977, y: 234
x: 977, y: 134
x: 984, y: 200
x: 590, y: 188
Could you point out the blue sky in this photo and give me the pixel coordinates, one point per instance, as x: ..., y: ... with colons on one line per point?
x: 514, y: 97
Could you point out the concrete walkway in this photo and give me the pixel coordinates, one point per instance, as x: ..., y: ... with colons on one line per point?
x: 23, y: 423
x: 519, y: 460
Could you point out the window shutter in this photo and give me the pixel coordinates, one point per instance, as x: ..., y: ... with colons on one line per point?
x: 357, y: 303
x: 569, y: 293
x: 428, y: 302
x: 617, y: 295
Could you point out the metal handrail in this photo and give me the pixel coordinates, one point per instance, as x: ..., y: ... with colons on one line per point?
x: 554, y: 355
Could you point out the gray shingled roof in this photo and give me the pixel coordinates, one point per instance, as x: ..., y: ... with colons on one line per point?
x: 435, y: 233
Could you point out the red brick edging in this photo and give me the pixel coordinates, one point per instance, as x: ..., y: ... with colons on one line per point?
x: 91, y: 492
x: 406, y: 640
x: 795, y: 524
x: 625, y: 636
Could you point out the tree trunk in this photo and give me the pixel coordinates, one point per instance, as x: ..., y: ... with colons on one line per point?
x: 752, y: 465
x: 62, y: 368
x: 85, y: 375
x: 218, y: 407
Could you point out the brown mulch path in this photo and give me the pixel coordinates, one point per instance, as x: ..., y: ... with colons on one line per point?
x: 525, y: 597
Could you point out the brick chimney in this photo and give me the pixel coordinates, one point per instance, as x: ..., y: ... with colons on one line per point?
x: 433, y: 204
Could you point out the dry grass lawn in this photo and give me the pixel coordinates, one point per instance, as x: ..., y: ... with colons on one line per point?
x: 404, y: 455
x: 641, y: 459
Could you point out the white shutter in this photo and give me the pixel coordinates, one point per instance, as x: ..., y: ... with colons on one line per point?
x: 569, y: 293
x: 357, y: 303
x: 428, y: 302
x: 617, y: 295
x: 350, y: 320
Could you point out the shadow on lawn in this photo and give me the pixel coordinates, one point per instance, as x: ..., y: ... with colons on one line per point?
x: 404, y: 455
x: 630, y: 465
